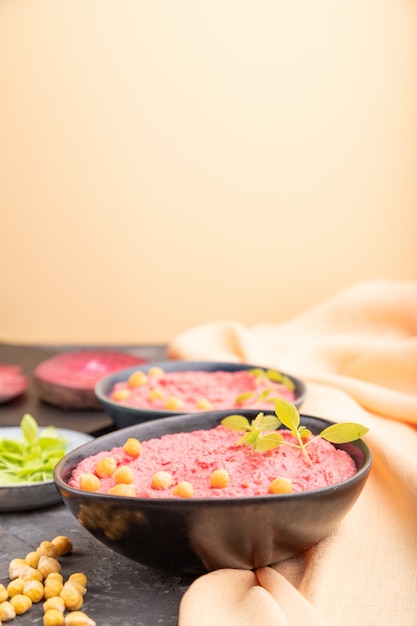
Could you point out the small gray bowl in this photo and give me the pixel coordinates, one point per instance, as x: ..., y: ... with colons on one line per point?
x: 198, y: 534
x: 124, y: 415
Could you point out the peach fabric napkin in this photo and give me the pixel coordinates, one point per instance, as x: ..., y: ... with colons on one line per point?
x: 357, y: 352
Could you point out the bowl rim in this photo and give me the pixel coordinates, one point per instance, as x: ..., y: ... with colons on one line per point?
x: 70, y: 460
x: 104, y: 385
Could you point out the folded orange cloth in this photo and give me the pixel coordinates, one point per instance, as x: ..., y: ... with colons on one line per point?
x: 357, y: 352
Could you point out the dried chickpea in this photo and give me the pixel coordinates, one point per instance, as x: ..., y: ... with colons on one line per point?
x: 47, y: 565
x: 7, y: 611
x: 89, y: 482
x: 280, y: 485
x: 78, y: 577
x: 120, y: 394
x: 55, y: 602
x: 219, y: 478
x: 47, y: 548
x: 132, y: 447
x: 53, y: 617
x: 156, y: 394
x: 54, y: 576
x: 63, y: 544
x: 161, y: 480
x: 137, y: 379
x: 156, y: 372
x: 184, y: 489
x: 78, y: 618
x: 31, y: 573
x: 122, y: 490
x: 15, y: 567
x: 15, y: 586
x: 32, y: 559
x: 71, y: 596
x: 123, y: 475
x: 203, y: 404
x: 174, y: 403
x: 21, y: 603
x: 33, y: 589
x: 3, y: 593
x: 105, y: 467
x: 52, y: 588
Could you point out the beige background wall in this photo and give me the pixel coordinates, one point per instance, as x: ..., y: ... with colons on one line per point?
x: 173, y: 162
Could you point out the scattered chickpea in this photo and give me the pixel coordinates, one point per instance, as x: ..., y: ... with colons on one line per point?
x: 203, y: 404
x: 137, y: 379
x: 15, y: 567
x: 184, y: 489
x: 161, y: 480
x: 120, y: 394
x: 63, y: 544
x: 54, y: 576
x: 55, y: 602
x: 7, y: 611
x: 47, y: 565
x: 71, y: 596
x: 89, y: 482
x: 47, y: 548
x: 78, y: 618
x: 53, y: 617
x: 123, y: 475
x: 156, y: 394
x: 31, y: 573
x: 78, y: 577
x: 280, y: 485
x: 105, y: 467
x: 33, y: 589
x: 32, y: 559
x: 132, y: 447
x: 174, y: 403
x: 15, y: 586
x: 219, y: 478
x: 3, y: 593
x: 122, y: 490
x: 52, y: 588
x: 21, y: 603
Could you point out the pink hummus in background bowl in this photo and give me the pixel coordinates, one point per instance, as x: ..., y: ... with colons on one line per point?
x: 165, y: 388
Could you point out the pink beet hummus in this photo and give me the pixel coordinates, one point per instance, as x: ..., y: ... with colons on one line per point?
x: 203, y: 391
x: 194, y: 456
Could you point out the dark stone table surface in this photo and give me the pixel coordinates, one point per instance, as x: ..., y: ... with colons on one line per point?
x: 120, y: 591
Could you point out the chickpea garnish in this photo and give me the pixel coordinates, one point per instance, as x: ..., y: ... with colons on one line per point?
x: 161, y: 480
x: 137, y: 379
x: 156, y: 372
x: 219, y: 478
x: 184, y: 489
x: 280, y: 485
x: 105, y: 467
x: 122, y: 490
x: 133, y: 447
x: 123, y: 475
x: 89, y: 482
x: 203, y: 404
x: 155, y: 394
x: 174, y: 403
x: 120, y: 395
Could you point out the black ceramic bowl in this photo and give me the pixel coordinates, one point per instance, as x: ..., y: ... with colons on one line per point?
x: 124, y: 415
x: 197, y: 534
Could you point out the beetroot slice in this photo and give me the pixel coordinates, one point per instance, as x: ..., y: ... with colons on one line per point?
x: 12, y: 382
x: 67, y: 380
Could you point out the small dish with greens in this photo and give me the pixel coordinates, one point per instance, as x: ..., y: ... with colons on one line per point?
x: 28, y: 455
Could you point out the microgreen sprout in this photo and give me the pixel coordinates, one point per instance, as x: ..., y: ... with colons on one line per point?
x: 267, y: 377
x: 261, y: 433
x: 33, y: 458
